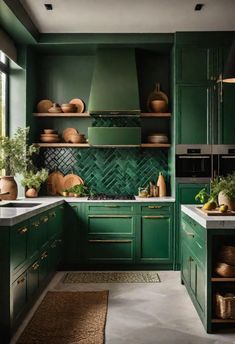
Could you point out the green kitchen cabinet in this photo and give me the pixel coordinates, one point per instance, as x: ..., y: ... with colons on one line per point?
x: 33, y: 278
x: 204, y: 106
x: 56, y: 220
x: 19, y: 294
x: 19, y: 238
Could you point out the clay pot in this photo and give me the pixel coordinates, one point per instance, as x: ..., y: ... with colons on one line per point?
x: 31, y: 193
x: 8, y: 184
x: 159, y: 106
x: 223, y: 199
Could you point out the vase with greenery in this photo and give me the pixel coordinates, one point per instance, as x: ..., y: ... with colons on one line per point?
x: 32, y: 180
x: 15, y: 157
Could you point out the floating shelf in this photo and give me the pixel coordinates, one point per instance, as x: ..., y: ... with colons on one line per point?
x: 86, y: 145
x: 62, y: 114
x: 154, y: 114
x: 155, y: 145
x: 223, y: 279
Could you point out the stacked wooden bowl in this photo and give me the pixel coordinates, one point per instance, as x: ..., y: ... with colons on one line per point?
x: 49, y: 136
x: 71, y: 135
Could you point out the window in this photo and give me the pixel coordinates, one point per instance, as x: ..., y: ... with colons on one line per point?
x: 3, y: 93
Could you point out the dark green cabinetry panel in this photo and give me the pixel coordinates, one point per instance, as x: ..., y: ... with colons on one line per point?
x: 193, y: 64
x: 19, y: 244
x: 111, y: 251
x: 156, y: 239
x: 226, y: 121
x: 111, y: 224
x: 193, y: 122
x: 19, y: 294
x: 186, y: 192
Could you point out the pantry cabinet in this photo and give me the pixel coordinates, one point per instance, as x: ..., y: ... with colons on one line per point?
x: 202, y: 100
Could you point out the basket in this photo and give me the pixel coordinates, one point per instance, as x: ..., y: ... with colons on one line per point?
x: 225, y: 270
x: 227, y: 254
x: 225, y: 306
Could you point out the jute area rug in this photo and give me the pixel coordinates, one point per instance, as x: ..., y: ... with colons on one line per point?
x: 68, y: 318
x: 112, y: 277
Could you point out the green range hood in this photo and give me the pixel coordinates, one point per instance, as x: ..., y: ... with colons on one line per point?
x: 114, y: 89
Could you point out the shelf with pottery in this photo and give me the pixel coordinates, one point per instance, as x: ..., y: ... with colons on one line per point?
x: 86, y: 145
x: 62, y: 114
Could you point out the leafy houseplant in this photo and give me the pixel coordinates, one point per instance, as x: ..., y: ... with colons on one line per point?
x: 15, y: 157
x: 33, y: 180
x: 223, y: 190
x: 78, y: 190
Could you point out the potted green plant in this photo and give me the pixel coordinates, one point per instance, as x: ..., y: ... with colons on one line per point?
x: 15, y: 157
x: 223, y: 190
x: 32, y: 181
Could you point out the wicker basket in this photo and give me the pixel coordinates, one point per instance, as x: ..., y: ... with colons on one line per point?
x: 225, y: 270
x: 227, y: 255
x: 225, y: 306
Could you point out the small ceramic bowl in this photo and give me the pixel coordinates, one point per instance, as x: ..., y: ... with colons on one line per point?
x: 49, y: 131
x: 68, y: 108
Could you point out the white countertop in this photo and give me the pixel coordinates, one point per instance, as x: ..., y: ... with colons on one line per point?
x: 213, y: 222
x: 12, y: 216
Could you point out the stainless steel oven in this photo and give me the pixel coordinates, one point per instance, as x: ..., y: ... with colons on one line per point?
x: 223, y: 159
x: 193, y: 162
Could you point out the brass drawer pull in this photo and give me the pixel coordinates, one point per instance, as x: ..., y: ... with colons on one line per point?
x: 109, y: 241
x: 36, y: 224
x: 53, y: 245
x: 111, y: 216
x: 112, y: 206
x: 154, y: 217
x: 35, y: 266
x: 23, y: 230
x: 44, y: 255
x: 45, y: 219
x: 198, y: 245
x: 21, y: 280
x: 189, y: 233
x: 154, y: 207
x: 53, y: 214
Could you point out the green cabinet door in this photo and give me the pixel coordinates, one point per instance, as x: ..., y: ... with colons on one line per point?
x: 33, y: 244
x: 43, y: 235
x: 193, y: 114
x: 19, y: 238
x: 226, y: 122
x: 33, y: 279
x: 185, y: 259
x: 19, y: 294
x: 200, y: 286
x: 111, y: 224
x: 185, y: 193
x: 156, y: 239
x: 43, y: 268
x: 193, y: 64
x: 55, y: 222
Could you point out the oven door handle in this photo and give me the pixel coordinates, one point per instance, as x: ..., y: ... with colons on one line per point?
x: 228, y: 156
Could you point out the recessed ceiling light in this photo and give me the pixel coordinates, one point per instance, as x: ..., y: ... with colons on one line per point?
x: 198, y: 7
x: 48, y: 7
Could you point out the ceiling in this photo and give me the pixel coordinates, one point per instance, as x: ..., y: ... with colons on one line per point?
x: 130, y: 16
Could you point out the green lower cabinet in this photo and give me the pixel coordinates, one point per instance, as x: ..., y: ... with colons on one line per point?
x: 111, y: 224
x: 55, y: 222
x: 156, y: 239
x: 54, y: 255
x: 19, y: 239
x: 43, y: 268
x: 33, y: 278
x: 43, y: 235
x: 110, y: 251
x: 19, y: 294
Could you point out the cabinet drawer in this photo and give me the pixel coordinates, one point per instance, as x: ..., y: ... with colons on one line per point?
x: 19, y: 290
x: 19, y: 238
x: 195, y: 227
x: 33, y: 278
x: 110, y: 250
x: 195, y: 242
x: 155, y: 209
x: 111, y: 224
x: 110, y: 208
x: 43, y: 236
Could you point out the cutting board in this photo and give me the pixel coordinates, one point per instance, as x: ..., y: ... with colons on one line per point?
x: 216, y: 212
x: 55, y: 183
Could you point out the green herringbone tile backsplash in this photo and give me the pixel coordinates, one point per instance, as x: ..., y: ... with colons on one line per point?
x: 109, y: 170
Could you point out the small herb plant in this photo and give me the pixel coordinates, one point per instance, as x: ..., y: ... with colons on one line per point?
x: 202, y: 196
x: 15, y: 153
x: 78, y: 189
x: 33, y: 179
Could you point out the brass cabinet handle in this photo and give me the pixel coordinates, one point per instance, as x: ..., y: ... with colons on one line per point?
x: 108, y: 241
x: 44, y: 255
x: 154, y: 217
x: 35, y: 266
x: 112, y: 206
x: 112, y: 216
x: 53, y: 214
x: 53, y: 245
x: 21, y: 280
x: 45, y: 219
x: 23, y: 230
x: 189, y: 233
x: 154, y: 207
x: 36, y: 224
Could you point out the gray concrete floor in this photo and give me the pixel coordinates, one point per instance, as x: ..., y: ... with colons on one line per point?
x: 146, y: 313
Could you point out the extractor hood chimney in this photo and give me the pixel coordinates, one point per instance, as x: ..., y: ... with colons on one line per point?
x: 114, y: 89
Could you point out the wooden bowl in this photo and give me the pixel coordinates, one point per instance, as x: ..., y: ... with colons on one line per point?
x: 76, y: 138
x: 49, y: 139
x: 158, y: 106
x: 68, y: 108
x: 157, y: 138
x: 49, y: 131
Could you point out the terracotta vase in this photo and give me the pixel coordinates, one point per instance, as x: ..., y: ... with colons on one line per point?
x: 31, y: 193
x: 161, y: 185
x: 223, y: 199
x: 8, y: 184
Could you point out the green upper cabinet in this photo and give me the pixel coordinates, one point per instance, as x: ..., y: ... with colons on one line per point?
x: 204, y: 107
x: 193, y: 65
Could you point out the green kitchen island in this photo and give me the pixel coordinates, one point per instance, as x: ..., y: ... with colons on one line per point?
x: 203, y: 238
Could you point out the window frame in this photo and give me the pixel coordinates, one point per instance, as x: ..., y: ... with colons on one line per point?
x: 5, y: 68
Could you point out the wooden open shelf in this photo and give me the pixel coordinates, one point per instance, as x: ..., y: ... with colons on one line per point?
x: 223, y: 279
x: 223, y: 321
x: 85, y: 145
x: 155, y: 145
x: 62, y: 114
x: 154, y: 114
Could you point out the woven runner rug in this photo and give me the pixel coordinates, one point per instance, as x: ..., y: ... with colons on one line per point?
x: 68, y: 318
x: 112, y: 277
